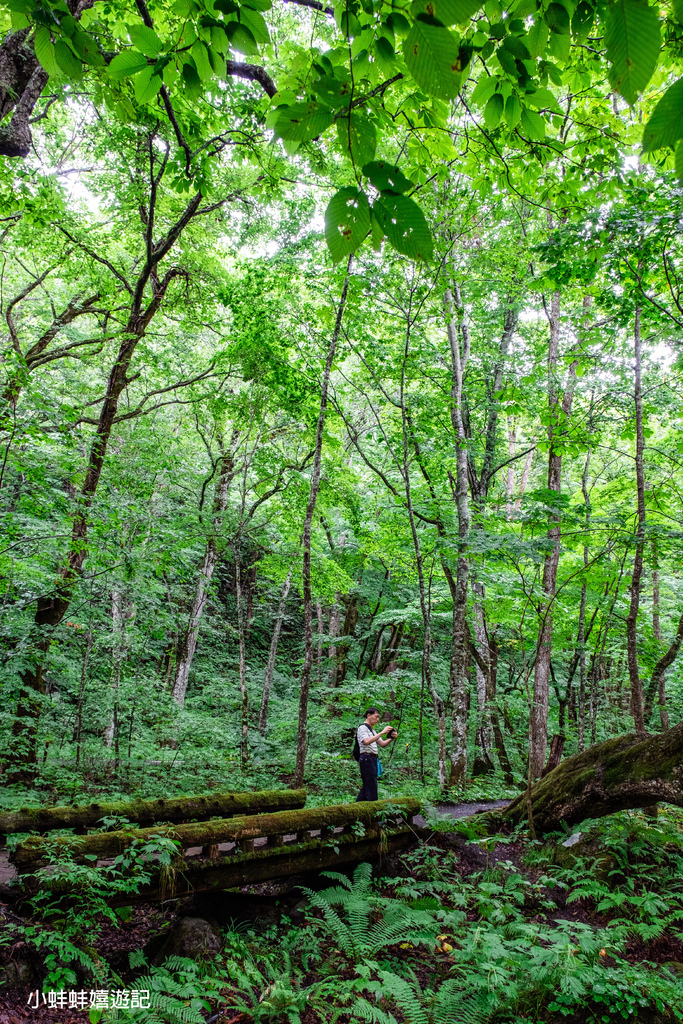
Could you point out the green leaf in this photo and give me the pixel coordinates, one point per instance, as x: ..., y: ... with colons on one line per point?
x: 347, y: 222
x: 537, y: 38
x: 404, y: 224
x: 226, y: 6
x: 679, y: 159
x: 557, y: 17
x: 493, y: 111
x: 358, y: 136
x: 192, y: 80
x: 431, y: 54
x: 677, y: 7
x: 484, y: 89
x: 67, y: 60
x: 533, y: 125
x: 86, y: 48
x: 448, y: 12
x: 147, y: 85
x: 257, y: 5
x: 513, y: 111
x: 125, y: 64
x: 302, y: 122
x: 241, y: 38
x: 665, y: 126
x: 45, y: 52
x: 582, y: 21
x: 543, y: 99
x: 633, y: 41
x: 145, y: 40
x: 516, y: 47
x: 386, y: 177
x: 256, y: 24
x: 200, y: 55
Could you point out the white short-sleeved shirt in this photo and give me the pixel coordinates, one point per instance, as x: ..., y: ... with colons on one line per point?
x: 363, y: 732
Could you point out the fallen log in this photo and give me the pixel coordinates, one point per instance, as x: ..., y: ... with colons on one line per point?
x: 616, y: 775
x: 147, y: 812
x: 36, y: 852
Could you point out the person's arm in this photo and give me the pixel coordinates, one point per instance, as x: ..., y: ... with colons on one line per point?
x: 375, y: 737
x: 385, y: 743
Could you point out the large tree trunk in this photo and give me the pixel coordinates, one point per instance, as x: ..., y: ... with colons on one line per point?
x: 621, y: 773
x: 187, y: 644
x: 52, y: 608
x: 301, y: 742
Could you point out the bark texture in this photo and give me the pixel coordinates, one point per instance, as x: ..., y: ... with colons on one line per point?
x: 616, y: 775
x: 146, y: 812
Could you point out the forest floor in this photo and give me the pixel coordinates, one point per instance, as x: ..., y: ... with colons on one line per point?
x: 540, y: 932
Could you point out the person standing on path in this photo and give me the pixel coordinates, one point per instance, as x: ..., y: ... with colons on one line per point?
x: 368, y: 740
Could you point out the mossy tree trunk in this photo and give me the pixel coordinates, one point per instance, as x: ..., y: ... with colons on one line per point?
x: 617, y: 775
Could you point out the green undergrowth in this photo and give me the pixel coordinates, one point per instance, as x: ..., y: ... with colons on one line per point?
x: 594, y: 935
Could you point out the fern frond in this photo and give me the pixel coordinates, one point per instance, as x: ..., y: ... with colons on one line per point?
x: 364, y: 1010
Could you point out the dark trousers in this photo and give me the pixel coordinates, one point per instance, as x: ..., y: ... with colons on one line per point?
x: 368, y: 773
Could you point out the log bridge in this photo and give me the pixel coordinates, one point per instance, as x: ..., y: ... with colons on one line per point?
x: 228, y: 852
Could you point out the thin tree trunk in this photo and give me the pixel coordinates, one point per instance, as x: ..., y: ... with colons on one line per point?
x: 637, y: 695
x: 560, y: 410
x: 272, y: 654
x: 459, y: 639
x: 660, y: 682
x: 301, y: 743
x: 321, y: 630
x: 187, y: 644
x: 120, y: 612
x: 334, y: 626
x: 244, y: 715
x: 81, y: 688
x: 582, y: 606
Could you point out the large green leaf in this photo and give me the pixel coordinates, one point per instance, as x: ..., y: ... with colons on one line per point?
x: 431, y: 54
x: 386, y: 177
x: 145, y: 40
x: 147, y: 85
x: 679, y: 159
x: 45, y: 51
x: 358, y: 136
x: 347, y: 222
x: 67, y: 60
x: 665, y: 126
x: 125, y: 64
x: 633, y: 40
x: 302, y: 122
x: 404, y: 224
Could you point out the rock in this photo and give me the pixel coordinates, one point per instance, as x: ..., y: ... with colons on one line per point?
x: 18, y: 974
x: 192, y: 937
x: 573, y: 840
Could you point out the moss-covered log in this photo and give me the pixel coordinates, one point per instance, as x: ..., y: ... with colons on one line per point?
x: 147, y: 812
x: 193, y: 875
x: 36, y: 852
x: 619, y: 774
